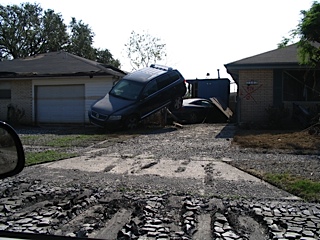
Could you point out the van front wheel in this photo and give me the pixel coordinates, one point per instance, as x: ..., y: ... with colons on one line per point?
x: 132, y: 122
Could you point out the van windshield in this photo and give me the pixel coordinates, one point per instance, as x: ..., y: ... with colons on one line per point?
x: 127, y: 89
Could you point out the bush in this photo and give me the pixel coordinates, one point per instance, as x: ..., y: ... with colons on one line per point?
x: 276, y: 115
x: 14, y: 114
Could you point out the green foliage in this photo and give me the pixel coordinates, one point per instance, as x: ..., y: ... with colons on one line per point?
x: 310, y: 22
x: 104, y: 56
x: 308, y: 30
x: 308, y: 34
x: 144, y: 49
x: 81, y: 39
x: 285, y: 41
x: 55, y: 36
x: 27, y: 30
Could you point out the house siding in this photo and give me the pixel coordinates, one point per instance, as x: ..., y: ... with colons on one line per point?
x: 21, y: 99
x: 23, y: 94
x: 4, y: 103
x: 255, y: 98
x: 95, y: 88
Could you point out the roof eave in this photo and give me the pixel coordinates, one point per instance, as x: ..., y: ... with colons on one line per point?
x: 265, y: 66
x: 37, y: 75
x: 233, y: 69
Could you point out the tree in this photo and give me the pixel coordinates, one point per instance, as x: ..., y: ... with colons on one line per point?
x: 308, y: 31
x: 144, y: 49
x: 80, y: 44
x: 26, y: 31
x: 55, y: 35
x: 81, y: 39
x: 285, y: 41
x: 104, y: 56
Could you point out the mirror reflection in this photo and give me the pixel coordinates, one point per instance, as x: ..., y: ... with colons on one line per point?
x: 8, y: 152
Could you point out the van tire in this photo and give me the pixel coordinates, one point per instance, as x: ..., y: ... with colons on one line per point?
x: 176, y: 103
x: 193, y: 118
x: 132, y: 122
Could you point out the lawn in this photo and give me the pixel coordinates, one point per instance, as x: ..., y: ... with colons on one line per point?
x: 294, y: 142
x: 58, y: 145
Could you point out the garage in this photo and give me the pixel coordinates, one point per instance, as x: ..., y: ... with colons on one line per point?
x: 60, y: 104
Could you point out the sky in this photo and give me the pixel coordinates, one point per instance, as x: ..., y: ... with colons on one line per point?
x: 200, y: 36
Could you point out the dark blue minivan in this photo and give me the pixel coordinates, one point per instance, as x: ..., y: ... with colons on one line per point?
x: 138, y: 95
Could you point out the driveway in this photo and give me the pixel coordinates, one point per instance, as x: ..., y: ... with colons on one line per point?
x: 171, y: 183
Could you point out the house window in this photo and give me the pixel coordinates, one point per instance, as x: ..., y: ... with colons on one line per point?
x: 5, y: 91
x: 301, y: 85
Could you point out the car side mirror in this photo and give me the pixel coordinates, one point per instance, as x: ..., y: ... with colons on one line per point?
x: 12, y: 159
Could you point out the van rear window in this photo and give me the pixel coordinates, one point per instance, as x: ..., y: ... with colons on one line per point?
x: 167, y: 79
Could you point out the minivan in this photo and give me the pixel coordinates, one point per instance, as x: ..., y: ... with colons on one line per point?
x: 137, y: 96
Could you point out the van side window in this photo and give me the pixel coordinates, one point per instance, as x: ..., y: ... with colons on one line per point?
x: 151, y: 88
x: 167, y: 79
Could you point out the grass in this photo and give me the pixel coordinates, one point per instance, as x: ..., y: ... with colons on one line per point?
x: 59, y: 146
x: 75, y: 140
x: 65, y: 143
x: 52, y: 140
x: 304, y: 188
x: 293, y: 141
x: 33, y: 158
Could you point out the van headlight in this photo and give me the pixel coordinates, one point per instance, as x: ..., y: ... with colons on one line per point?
x: 115, y: 117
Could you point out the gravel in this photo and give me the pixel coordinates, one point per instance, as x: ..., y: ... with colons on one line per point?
x: 72, y: 202
x: 191, y: 143
x: 215, y: 141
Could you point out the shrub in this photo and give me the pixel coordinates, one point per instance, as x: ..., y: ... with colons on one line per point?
x: 14, y: 114
x: 276, y: 115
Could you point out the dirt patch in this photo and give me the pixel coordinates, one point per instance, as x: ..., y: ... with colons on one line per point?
x: 294, y: 141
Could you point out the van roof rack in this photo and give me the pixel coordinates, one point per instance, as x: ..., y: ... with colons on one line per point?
x: 161, y: 67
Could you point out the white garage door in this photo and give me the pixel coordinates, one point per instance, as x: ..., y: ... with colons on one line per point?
x: 60, y: 104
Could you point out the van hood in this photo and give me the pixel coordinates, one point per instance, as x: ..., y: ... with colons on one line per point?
x: 110, y: 105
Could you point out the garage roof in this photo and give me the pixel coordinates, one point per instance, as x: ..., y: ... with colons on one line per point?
x: 55, y: 63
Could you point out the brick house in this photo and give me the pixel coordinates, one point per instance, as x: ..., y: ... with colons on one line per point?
x: 55, y: 87
x: 273, y: 79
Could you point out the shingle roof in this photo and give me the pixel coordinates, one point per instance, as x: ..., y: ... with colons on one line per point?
x: 281, y: 58
x: 286, y: 55
x: 55, y: 63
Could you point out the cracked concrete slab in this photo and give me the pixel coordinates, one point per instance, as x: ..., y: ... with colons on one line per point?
x: 146, y: 165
